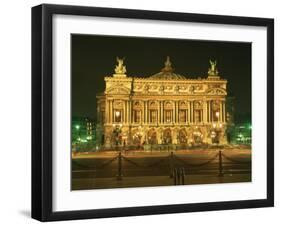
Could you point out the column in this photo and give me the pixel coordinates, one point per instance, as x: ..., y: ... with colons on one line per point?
x: 191, y: 111
x: 176, y: 107
x: 174, y: 112
x: 124, y: 112
x: 205, y: 111
x: 142, y: 112
x: 111, y: 111
x: 130, y: 111
x: 220, y: 119
x: 210, y: 118
x: 146, y: 107
x: 224, y: 113
x: 107, y: 111
x: 210, y: 114
x: 164, y: 114
x: 162, y: 111
x: 147, y: 112
x: 177, y: 111
x: 158, y: 112
x: 127, y: 107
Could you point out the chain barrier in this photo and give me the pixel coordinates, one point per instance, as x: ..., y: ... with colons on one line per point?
x: 179, y: 173
x: 157, y: 162
x: 131, y: 161
x: 81, y: 165
x: 149, y: 165
x: 104, y: 164
x: 196, y: 165
x: 235, y: 160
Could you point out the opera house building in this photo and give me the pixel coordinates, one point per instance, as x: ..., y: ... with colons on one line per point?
x: 163, y: 108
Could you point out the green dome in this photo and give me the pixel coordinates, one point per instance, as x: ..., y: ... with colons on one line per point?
x: 167, y: 73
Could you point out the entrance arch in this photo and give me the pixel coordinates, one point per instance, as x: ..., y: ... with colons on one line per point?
x: 182, y: 136
x: 197, y: 136
x: 167, y: 136
x: 152, y: 136
x: 215, y: 137
x: 137, y: 137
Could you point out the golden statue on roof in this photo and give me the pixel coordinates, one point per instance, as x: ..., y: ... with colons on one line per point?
x: 120, y: 68
x: 168, y: 65
x: 213, y: 71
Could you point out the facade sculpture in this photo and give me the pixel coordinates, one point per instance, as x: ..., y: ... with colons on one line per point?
x: 165, y: 108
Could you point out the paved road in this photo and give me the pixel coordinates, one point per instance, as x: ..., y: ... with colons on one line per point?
x: 197, y: 164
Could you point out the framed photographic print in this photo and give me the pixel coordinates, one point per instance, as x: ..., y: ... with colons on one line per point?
x: 147, y: 112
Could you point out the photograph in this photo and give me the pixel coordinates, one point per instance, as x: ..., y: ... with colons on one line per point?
x: 151, y: 112
x: 141, y: 112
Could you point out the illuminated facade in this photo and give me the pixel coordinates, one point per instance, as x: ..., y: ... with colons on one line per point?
x: 165, y: 108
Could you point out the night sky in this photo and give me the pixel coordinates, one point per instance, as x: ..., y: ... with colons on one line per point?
x: 94, y: 57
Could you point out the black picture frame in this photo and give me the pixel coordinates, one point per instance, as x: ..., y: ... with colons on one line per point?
x: 42, y: 111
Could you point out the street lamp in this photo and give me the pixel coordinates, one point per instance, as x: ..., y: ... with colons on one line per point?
x: 217, y: 127
x: 78, y: 131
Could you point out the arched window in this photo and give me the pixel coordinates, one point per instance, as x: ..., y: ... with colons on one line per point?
x: 117, y: 115
x: 153, y: 112
x: 137, y: 116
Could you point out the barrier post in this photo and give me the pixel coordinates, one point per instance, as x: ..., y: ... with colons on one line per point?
x: 172, y: 165
x: 119, y: 175
x: 175, y: 176
x: 182, y: 176
x: 178, y: 176
x: 220, y: 165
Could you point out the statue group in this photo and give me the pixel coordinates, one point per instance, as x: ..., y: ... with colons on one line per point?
x: 213, y: 69
x: 120, y: 68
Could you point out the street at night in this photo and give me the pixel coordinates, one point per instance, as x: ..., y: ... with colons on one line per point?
x: 113, y: 169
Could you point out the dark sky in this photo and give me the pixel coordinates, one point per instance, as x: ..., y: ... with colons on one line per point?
x: 94, y: 56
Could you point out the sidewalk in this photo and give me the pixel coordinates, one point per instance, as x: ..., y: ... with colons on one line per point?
x: 148, y: 181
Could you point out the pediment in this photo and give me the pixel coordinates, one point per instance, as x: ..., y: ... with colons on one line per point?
x: 216, y: 91
x: 118, y: 90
